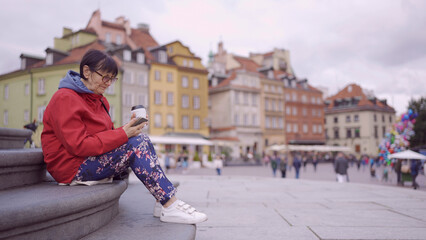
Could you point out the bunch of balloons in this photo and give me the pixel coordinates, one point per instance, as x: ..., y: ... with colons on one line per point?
x: 397, y: 139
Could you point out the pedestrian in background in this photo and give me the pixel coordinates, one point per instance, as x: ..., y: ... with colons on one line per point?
x: 283, y: 166
x: 398, y: 167
x: 218, y: 164
x: 275, y: 161
x: 341, y: 168
x: 414, y: 170
x: 297, y: 163
x: 315, y: 161
x: 167, y: 162
x: 266, y: 160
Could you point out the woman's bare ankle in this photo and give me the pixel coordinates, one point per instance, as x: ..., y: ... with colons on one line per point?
x: 170, y: 202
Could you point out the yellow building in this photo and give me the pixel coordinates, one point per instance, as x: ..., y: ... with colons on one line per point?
x: 178, y: 98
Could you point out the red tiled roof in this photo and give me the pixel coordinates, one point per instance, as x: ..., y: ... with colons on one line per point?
x: 144, y: 40
x: 268, y: 54
x: 225, y: 82
x: 314, y: 89
x: 247, y: 64
x: 76, y: 54
x: 356, y: 91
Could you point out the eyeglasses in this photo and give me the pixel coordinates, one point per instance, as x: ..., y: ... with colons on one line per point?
x: 106, y: 78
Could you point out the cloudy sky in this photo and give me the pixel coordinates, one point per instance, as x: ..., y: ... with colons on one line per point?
x: 380, y: 44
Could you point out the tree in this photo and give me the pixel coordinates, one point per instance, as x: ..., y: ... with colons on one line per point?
x: 419, y: 108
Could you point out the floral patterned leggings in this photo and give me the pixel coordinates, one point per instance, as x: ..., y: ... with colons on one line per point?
x: 138, y: 154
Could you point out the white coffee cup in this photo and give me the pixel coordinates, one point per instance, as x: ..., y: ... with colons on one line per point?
x: 139, y: 111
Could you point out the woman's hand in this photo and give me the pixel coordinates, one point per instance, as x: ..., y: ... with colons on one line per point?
x: 136, y: 130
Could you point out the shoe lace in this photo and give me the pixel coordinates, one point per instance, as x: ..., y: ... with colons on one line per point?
x: 186, y: 208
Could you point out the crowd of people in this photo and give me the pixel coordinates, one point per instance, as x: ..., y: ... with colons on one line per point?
x: 405, y: 170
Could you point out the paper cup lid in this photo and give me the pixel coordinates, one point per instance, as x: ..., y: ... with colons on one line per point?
x: 137, y: 107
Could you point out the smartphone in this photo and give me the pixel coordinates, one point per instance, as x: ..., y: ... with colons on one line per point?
x: 139, y: 121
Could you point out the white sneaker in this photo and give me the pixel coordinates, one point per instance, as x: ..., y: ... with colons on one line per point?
x: 157, y: 209
x: 180, y: 212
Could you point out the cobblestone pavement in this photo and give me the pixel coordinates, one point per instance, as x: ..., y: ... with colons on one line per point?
x: 324, y: 172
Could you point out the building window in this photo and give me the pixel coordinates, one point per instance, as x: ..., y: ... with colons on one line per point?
x: 266, y: 105
x: 128, y: 99
x: 289, y: 127
x: 170, y: 121
x: 375, y: 118
x: 185, y: 101
x: 294, y: 95
x: 127, y: 55
x: 280, y: 105
x: 185, y: 122
x: 245, y: 119
x: 196, y: 122
x: 5, y: 117
x: 6, y: 91
x: 287, y: 97
x: 266, y: 87
x: 254, y: 119
x: 383, y: 118
x: 253, y: 99
x: 348, y: 133
x: 384, y: 131
x: 191, y: 63
x: 314, y: 112
x: 336, y: 119
x: 236, y: 119
x: 157, y: 97
x: 140, y: 58
x: 274, y: 122
x: 237, y: 97
x: 314, y: 128
x: 110, y: 89
x: 169, y: 77
x: 288, y: 110
x: 304, y: 112
x: 118, y: 39
x: 107, y: 37
x: 270, y: 74
x: 246, y: 98
x: 390, y: 119
x: 170, y: 49
x: 26, y: 116
x: 281, y: 123
x: 157, y: 75
x: 357, y: 133
x: 128, y: 77
x: 162, y: 57
x: 142, y: 79
x: 49, y: 59
x: 196, y: 102
x: 304, y: 99
x: 376, y: 132
x: 184, y: 81
x: 326, y: 133
x: 336, y: 133
x: 27, y: 89
x: 267, y: 122
x: 170, y: 101
x: 157, y: 120
x: 41, y: 89
x: 356, y: 118
x: 184, y: 62
x: 295, y: 128
x: 348, y: 118
x: 195, y: 83
x: 273, y: 105
x: 294, y: 111
x: 41, y: 113
x: 143, y: 99
x: 305, y: 128
x: 319, y: 129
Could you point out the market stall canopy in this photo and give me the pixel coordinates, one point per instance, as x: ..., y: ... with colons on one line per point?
x: 315, y: 148
x: 408, y: 154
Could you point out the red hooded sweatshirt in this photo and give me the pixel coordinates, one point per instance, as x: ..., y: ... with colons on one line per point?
x: 76, y: 126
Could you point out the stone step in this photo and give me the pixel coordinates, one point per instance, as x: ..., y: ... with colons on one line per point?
x: 136, y: 221
x: 20, y: 167
x: 11, y: 138
x: 49, y: 211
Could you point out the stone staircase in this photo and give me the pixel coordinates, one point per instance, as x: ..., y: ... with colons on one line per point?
x: 33, y: 206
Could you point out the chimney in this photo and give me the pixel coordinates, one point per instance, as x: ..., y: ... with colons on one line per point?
x: 143, y: 27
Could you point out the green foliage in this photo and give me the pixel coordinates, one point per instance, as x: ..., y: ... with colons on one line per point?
x: 418, y: 107
x: 210, y: 157
x: 196, y: 157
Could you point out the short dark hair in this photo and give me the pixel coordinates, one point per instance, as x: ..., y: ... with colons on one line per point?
x: 98, y: 61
